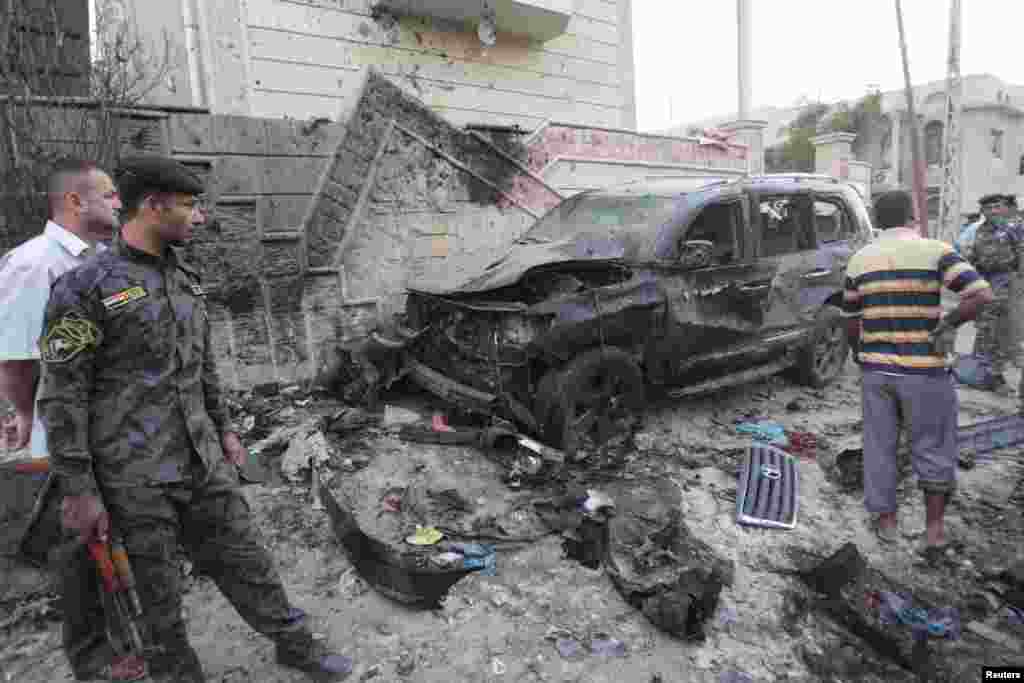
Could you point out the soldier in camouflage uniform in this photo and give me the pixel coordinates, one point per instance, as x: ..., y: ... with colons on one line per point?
x: 139, y: 433
x: 996, y: 254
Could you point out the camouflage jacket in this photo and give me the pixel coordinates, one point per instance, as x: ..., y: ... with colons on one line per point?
x: 130, y: 394
x: 997, y: 251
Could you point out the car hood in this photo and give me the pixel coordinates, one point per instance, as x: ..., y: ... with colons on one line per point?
x: 510, y: 268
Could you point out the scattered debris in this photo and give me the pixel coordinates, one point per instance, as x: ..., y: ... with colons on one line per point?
x: 802, y: 444
x: 995, y: 635
x: 607, y: 647
x: 898, y: 608
x: 305, y: 452
x: 771, y: 432
x: 569, y: 648
x: 735, y: 677
x: 396, y: 416
x: 350, y: 419
x: 425, y: 535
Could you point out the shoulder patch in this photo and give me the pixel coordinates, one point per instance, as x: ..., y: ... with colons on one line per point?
x: 68, y: 337
x: 115, y: 301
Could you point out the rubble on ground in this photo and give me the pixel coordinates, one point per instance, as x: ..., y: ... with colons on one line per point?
x: 627, y: 565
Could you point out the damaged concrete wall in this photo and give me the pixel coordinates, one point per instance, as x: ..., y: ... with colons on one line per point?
x: 318, y: 228
x: 409, y: 197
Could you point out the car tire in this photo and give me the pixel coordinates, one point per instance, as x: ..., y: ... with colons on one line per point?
x: 824, y: 358
x: 596, y: 396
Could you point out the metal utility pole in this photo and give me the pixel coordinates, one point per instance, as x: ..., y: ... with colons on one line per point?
x: 918, y: 172
x: 744, y: 42
x: 949, y: 216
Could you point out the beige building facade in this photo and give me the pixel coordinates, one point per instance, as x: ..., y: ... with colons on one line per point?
x: 562, y: 60
x: 992, y: 138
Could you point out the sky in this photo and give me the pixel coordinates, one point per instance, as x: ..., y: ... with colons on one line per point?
x: 685, y: 51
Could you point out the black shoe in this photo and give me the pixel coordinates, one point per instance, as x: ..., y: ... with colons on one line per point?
x: 314, y: 659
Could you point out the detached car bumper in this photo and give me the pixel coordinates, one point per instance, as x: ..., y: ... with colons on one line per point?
x: 468, y: 398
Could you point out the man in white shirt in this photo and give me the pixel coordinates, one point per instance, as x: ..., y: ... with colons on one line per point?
x: 83, y: 202
x: 83, y: 205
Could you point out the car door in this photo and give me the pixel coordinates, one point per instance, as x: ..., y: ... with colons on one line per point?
x: 787, y: 253
x: 836, y: 232
x: 714, y: 312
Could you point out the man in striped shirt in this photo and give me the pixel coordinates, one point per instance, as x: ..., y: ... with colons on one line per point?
x: 900, y: 339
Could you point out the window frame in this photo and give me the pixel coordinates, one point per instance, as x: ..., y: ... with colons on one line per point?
x: 792, y: 197
x: 847, y: 219
x: 737, y: 224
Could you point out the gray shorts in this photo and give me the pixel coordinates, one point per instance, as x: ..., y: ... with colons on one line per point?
x: 927, y: 407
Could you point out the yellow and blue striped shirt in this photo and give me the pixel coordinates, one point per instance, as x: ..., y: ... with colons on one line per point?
x: 895, y: 286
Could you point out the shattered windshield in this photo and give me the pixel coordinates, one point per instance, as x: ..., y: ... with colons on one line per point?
x: 609, y: 215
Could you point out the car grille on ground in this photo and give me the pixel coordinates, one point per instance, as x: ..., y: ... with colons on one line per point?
x: 767, y: 491
x: 989, y: 435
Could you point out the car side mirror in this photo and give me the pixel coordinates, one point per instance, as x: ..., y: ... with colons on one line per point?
x: 696, y: 254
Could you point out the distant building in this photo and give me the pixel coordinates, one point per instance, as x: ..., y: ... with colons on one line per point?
x: 992, y: 157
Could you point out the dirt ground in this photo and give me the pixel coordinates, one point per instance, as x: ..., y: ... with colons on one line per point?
x: 502, y: 628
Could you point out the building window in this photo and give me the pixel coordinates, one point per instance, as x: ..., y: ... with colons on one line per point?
x: 1020, y: 168
x: 933, y: 143
x: 997, y: 143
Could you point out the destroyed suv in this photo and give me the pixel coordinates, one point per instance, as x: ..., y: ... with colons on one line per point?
x: 676, y: 285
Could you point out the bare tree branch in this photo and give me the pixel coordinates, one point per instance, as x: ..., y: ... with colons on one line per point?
x: 64, y: 92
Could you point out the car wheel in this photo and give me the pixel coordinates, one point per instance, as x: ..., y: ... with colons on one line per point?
x: 595, y: 397
x: 824, y: 358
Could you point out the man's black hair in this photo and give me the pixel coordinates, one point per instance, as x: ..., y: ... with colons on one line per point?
x: 894, y: 209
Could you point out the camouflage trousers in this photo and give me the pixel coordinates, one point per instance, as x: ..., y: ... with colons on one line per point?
x: 992, y: 337
x: 212, y: 522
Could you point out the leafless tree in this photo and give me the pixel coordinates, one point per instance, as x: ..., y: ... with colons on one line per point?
x: 64, y: 91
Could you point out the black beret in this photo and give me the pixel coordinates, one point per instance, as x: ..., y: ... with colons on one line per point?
x: 140, y: 174
x: 996, y: 198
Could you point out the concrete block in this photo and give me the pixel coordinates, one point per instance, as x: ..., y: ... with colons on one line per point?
x: 240, y: 134
x: 321, y: 294
x: 237, y: 221
x: 352, y: 175
x: 192, y: 134
x: 291, y: 175
x: 362, y: 147
x: 283, y: 212
x: 341, y: 195
x: 242, y: 175
x: 302, y: 138
x: 282, y: 258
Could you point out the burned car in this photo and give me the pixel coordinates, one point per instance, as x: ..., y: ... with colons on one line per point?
x: 680, y: 286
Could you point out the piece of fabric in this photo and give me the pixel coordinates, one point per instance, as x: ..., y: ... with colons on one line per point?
x: 926, y: 406
x: 133, y: 405
x: 899, y: 608
x: 769, y: 432
x: 894, y: 285
x: 26, y: 274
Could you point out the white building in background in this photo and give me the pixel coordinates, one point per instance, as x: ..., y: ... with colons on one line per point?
x: 502, y: 62
x: 993, y: 138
